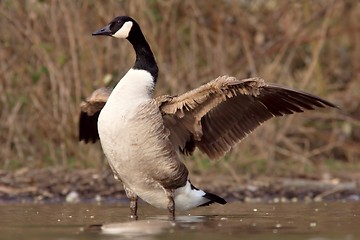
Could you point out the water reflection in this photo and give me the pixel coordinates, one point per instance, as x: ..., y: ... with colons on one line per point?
x: 136, y: 229
x: 233, y: 221
x: 147, y: 229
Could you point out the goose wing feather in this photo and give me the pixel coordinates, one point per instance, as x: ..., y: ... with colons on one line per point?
x: 90, y: 110
x: 217, y: 115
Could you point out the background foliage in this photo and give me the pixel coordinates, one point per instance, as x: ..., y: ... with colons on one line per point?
x: 49, y: 62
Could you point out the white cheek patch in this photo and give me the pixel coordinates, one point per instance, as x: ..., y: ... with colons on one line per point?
x: 123, y: 32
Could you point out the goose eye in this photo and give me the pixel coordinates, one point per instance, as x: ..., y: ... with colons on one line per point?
x: 114, y: 26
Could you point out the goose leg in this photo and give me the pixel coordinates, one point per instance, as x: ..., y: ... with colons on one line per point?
x: 133, y: 207
x: 133, y: 202
x: 171, y: 204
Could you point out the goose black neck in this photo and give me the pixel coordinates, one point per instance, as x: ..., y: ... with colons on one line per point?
x: 144, y: 57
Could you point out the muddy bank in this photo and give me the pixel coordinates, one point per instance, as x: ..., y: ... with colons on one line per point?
x: 58, y: 185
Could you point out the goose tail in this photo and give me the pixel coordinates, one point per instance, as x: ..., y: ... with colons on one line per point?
x: 213, y: 198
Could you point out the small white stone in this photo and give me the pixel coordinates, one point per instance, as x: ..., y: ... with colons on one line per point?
x: 97, y: 198
x: 72, y: 197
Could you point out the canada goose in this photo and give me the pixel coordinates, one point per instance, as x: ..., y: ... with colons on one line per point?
x: 143, y: 136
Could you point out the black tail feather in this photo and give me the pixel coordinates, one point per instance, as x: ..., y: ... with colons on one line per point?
x: 213, y: 199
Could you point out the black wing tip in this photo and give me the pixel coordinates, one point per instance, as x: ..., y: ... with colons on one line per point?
x: 322, y: 103
x: 314, y: 100
x: 87, y: 140
x: 88, y: 131
x: 329, y: 104
x: 189, y: 147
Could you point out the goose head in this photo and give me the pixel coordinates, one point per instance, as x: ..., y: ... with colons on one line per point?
x: 119, y: 27
x: 127, y: 28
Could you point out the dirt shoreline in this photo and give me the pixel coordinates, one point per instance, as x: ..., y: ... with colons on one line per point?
x: 59, y: 186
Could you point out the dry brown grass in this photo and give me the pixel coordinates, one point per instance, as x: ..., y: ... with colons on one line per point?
x: 49, y: 62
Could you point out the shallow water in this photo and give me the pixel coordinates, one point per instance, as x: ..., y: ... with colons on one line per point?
x: 313, y: 221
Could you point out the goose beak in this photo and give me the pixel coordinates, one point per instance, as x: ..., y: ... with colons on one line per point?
x: 104, y: 31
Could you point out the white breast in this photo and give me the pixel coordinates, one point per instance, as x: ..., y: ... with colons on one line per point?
x: 137, y: 85
x: 133, y: 90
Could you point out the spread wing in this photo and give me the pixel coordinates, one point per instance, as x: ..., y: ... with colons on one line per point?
x: 90, y: 110
x: 217, y: 115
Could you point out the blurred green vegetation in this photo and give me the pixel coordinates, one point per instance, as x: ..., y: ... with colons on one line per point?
x: 49, y: 62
